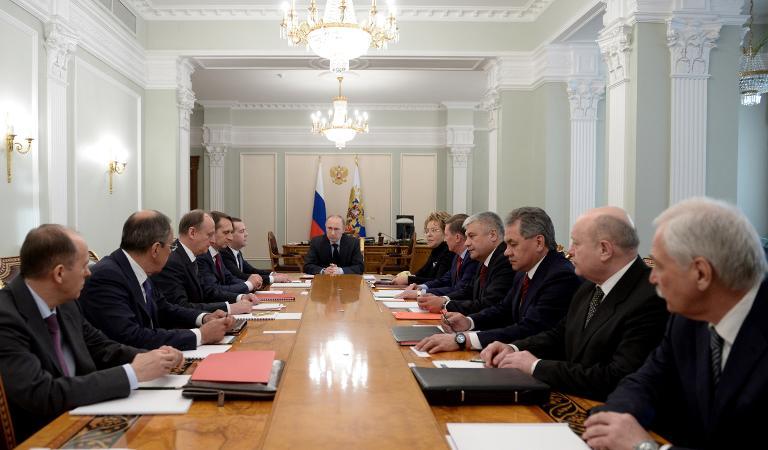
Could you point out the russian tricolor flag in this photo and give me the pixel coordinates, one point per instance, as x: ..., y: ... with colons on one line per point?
x: 318, y: 208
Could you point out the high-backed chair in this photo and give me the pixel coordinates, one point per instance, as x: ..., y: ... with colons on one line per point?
x: 648, y: 261
x: 9, y: 268
x: 397, y: 262
x: 291, y: 262
x: 8, y: 440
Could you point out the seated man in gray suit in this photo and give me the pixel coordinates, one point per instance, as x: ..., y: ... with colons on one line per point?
x: 51, y: 358
x: 334, y: 252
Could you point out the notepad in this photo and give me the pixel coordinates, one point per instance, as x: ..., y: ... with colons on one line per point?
x: 276, y: 297
x: 268, y: 292
x: 268, y: 307
x: 288, y: 316
x: 408, y: 315
x: 528, y: 436
x: 388, y: 293
x: 258, y: 315
x: 236, y: 367
x: 227, y: 340
x: 142, y: 402
x: 458, y: 364
x: 403, y: 305
x: 369, y: 277
x: 165, y: 382
x: 204, y: 350
x: 305, y: 284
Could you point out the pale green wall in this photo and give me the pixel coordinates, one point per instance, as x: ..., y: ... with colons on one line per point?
x: 553, y: 128
x: 753, y: 164
x: 281, y: 118
x: 161, y: 143
x: 478, y: 176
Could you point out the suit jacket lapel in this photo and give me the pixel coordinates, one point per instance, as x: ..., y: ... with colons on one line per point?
x: 191, y: 266
x: 135, y: 287
x: 535, y: 284
x: 703, y: 374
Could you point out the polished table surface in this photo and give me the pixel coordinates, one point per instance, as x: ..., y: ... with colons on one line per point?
x: 346, y: 383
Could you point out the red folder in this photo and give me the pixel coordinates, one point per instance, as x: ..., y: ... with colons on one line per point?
x: 407, y: 315
x: 276, y: 297
x: 236, y: 367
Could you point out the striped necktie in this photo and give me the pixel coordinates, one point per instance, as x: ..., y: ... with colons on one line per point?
x: 716, y: 353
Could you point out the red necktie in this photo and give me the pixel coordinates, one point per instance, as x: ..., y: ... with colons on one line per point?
x: 457, y: 275
x: 217, y: 258
x: 523, y: 291
x: 483, y: 271
x: 55, y: 330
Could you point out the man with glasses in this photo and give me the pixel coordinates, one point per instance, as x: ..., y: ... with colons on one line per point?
x: 121, y: 300
x: 179, y: 279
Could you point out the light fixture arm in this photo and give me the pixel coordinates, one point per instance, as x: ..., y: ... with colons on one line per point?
x: 115, y: 167
x: 10, y: 146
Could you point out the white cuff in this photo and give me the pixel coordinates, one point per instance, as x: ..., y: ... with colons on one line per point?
x: 533, y: 366
x: 474, y: 341
x: 199, y: 320
x: 271, y: 277
x: 133, y: 380
x: 249, y: 284
x: 514, y: 347
x: 198, y: 336
x: 471, y: 324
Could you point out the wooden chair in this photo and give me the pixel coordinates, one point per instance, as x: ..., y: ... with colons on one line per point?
x: 564, y: 251
x: 9, y: 268
x: 93, y: 256
x: 648, y: 261
x: 292, y: 262
x: 397, y: 262
x: 8, y: 440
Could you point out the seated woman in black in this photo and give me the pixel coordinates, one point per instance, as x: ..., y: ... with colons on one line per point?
x: 440, y: 258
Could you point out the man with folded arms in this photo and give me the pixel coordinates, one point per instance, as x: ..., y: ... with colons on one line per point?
x: 51, y: 358
x: 614, y: 320
x: 214, y: 275
x: 334, y: 253
x: 463, y: 268
x: 539, y: 298
x: 232, y: 256
x: 485, y: 243
x: 179, y: 279
x: 121, y: 300
x: 706, y: 385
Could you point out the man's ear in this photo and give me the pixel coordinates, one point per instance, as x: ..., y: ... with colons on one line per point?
x: 704, y: 272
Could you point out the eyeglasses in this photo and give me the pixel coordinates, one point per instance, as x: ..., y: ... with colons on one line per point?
x: 432, y: 230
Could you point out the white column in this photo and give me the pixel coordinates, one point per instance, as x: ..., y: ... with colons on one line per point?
x: 615, y: 47
x: 491, y: 103
x: 185, y: 101
x: 217, y: 139
x: 461, y: 140
x: 60, y: 42
x: 690, y: 40
x: 584, y: 96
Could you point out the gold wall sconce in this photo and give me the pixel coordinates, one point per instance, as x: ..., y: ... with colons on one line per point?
x: 10, y: 146
x: 115, y: 167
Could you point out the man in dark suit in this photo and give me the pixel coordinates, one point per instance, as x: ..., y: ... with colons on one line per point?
x: 463, y: 268
x: 485, y: 233
x: 237, y: 265
x: 51, y: 359
x: 614, y: 320
x: 215, y: 278
x: 706, y: 385
x: 179, y: 279
x: 121, y: 300
x: 539, y: 298
x: 335, y: 252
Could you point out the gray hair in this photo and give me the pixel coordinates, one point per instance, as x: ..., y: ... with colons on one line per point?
x: 490, y: 219
x: 718, y: 232
x: 143, y: 228
x: 621, y: 233
x: 533, y: 222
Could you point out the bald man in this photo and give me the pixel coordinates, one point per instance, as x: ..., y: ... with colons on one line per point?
x: 614, y: 320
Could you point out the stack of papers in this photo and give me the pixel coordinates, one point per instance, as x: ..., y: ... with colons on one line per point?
x: 236, y: 367
x: 403, y: 305
x: 268, y: 307
x: 389, y: 293
x: 293, y: 284
x: 167, y: 401
x: 205, y: 350
x: 528, y: 436
x: 259, y: 315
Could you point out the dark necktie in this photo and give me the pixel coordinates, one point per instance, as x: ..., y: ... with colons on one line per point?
x: 457, y: 275
x: 523, y: 291
x: 716, y: 353
x: 597, y: 297
x: 240, y: 261
x: 55, y: 330
x: 483, y: 273
x: 217, y: 260
x: 335, y: 254
x: 150, y: 299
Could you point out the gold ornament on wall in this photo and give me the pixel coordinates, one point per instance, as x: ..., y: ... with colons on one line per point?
x: 339, y: 174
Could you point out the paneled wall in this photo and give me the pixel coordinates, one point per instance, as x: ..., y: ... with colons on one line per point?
x: 418, y: 183
x: 258, y: 178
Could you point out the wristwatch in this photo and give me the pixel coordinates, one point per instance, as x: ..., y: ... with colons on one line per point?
x: 646, y: 445
x: 461, y: 341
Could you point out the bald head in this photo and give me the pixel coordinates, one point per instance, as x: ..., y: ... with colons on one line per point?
x: 143, y: 229
x: 613, y: 224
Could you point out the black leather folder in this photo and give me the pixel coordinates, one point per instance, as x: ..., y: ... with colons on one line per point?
x: 223, y: 391
x: 410, y: 335
x: 450, y: 386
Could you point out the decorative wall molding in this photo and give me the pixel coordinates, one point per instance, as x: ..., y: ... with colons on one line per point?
x: 615, y: 45
x: 690, y: 40
x: 526, y: 13
x: 460, y: 136
x: 161, y: 71
x: 659, y: 11
x: 60, y: 42
x: 318, y: 106
x: 217, y: 139
x: 584, y: 95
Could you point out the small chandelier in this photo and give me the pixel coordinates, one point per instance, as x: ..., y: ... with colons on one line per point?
x: 338, y: 127
x: 753, y: 71
x: 338, y: 36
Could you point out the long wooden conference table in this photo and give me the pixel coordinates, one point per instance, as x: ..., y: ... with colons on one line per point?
x: 346, y: 384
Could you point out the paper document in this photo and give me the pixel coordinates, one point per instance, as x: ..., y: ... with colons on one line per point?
x: 268, y: 292
x: 516, y: 436
x: 369, y: 276
x: 256, y: 315
x: 458, y: 364
x: 288, y: 316
x: 305, y: 284
x: 205, y: 350
x: 227, y: 340
x: 236, y: 367
x: 419, y: 353
x: 401, y: 304
x: 165, y: 382
x: 408, y: 315
x: 268, y: 307
x: 389, y: 293
x: 142, y: 402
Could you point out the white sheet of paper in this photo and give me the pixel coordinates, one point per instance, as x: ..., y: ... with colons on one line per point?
x: 268, y: 307
x: 227, y: 340
x: 516, y: 436
x: 205, y: 350
x: 420, y: 353
x: 369, y: 276
x: 268, y: 292
x: 457, y: 364
x: 305, y: 284
x: 388, y: 293
x: 139, y: 402
x: 279, y: 331
x: 288, y: 316
x: 165, y: 382
x: 256, y: 315
x: 401, y: 304
x: 417, y: 310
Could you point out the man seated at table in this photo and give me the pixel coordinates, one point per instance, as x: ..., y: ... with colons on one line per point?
x: 179, y: 280
x: 51, y: 359
x: 121, y: 300
x: 614, y: 320
x: 232, y: 256
x: 463, y: 268
x: 539, y: 298
x: 214, y: 275
x: 485, y: 243
x: 440, y: 257
x: 334, y: 252
x: 706, y: 385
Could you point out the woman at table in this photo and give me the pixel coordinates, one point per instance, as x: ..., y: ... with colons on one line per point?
x: 440, y: 258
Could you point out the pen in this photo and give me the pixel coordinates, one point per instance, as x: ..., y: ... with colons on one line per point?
x: 477, y: 360
x: 445, y: 320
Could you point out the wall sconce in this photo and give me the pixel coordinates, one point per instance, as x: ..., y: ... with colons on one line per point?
x: 115, y: 167
x: 10, y: 145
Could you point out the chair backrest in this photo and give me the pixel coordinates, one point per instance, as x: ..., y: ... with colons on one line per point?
x: 8, y: 439
x: 9, y: 268
x: 648, y: 261
x: 362, y: 245
x: 411, y: 246
x: 93, y: 256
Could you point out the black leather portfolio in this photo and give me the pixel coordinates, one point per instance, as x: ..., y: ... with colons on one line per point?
x: 449, y: 386
x: 410, y: 335
x: 248, y: 391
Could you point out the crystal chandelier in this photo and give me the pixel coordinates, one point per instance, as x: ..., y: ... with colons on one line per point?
x: 338, y: 127
x: 338, y: 36
x: 753, y: 71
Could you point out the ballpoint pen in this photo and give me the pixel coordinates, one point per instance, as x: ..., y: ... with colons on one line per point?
x: 445, y: 321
